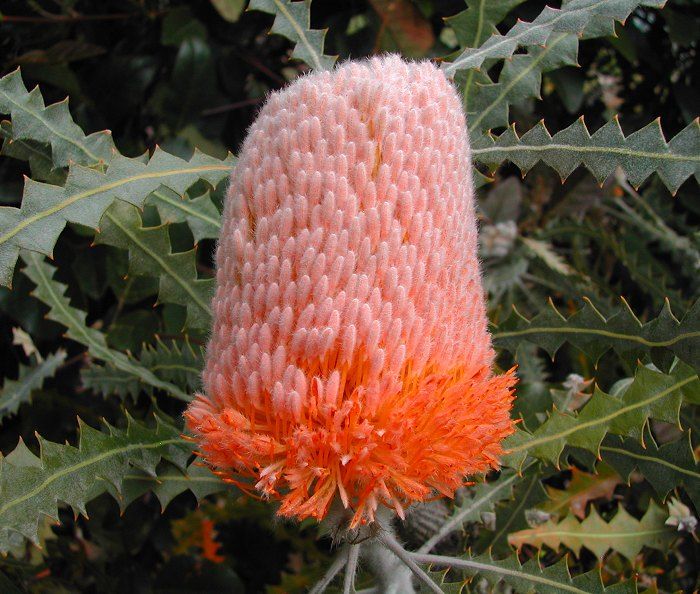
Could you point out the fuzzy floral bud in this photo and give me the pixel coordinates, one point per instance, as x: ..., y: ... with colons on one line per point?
x: 350, y: 354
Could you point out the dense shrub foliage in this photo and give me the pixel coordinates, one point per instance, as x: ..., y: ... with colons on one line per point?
x: 586, y: 145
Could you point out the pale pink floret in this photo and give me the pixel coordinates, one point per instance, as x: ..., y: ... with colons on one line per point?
x: 350, y: 354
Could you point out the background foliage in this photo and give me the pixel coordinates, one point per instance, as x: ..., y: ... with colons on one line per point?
x: 593, y: 286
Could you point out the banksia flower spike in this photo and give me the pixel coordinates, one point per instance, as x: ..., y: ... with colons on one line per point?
x: 350, y: 355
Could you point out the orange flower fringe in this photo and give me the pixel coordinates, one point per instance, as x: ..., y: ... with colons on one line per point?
x: 350, y: 353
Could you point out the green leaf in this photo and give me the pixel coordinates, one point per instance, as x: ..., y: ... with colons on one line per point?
x: 36, y: 154
x: 169, y: 482
x: 472, y: 27
x: 650, y: 395
x: 52, y: 293
x: 638, y: 155
x: 478, y: 22
x: 594, y: 334
x: 528, y: 578
x: 666, y: 467
x: 484, y: 496
x: 32, y: 487
x: 293, y: 21
x: 52, y: 125
x: 581, y: 17
x: 624, y: 533
x: 150, y: 254
x: 200, y: 213
x: 88, y: 193
x: 17, y: 392
x: 178, y: 364
x: 519, y: 80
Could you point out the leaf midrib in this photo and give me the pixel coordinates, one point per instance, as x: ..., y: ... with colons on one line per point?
x: 607, y: 333
x: 26, y: 222
x: 84, y: 463
x: 600, y: 420
x: 186, y: 286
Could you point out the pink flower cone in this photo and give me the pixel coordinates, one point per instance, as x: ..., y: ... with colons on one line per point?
x: 350, y: 354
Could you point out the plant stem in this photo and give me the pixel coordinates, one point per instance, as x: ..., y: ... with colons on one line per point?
x: 338, y: 564
x: 353, y: 556
x: 393, y: 545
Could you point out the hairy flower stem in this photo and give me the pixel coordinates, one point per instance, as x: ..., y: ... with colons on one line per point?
x: 351, y: 569
x: 338, y: 564
x: 388, y: 540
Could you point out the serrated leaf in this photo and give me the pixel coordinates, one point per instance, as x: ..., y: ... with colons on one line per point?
x: 52, y: 125
x: 17, y: 392
x: 484, y: 497
x: 177, y: 364
x: 579, y: 17
x: 638, y: 155
x: 36, y: 154
x: 665, y: 467
x: 150, y: 254
x: 87, y: 194
x: 519, y: 80
x: 528, y: 578
x: 169, y: 482
x: 594, y: 334
x: 624, y: 533
x: 52, y: 293
x: 200, y: 213
x: 74, y: 475
x: 293, y: 21
x: 650, y: 395
x: 582, y: 488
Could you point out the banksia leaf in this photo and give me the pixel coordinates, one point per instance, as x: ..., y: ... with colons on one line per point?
x: 594, y: 334
x: 579, y: 17
x: 293, y: 21
x: 483, y: 498
x: 666, y: 467
x: 650, y: 395
x: 624, y: 533
x: 200, y: 213
x: 88, y: 193
x: 17, y: 392
x: 519, y: 80
x: 52, y: 293
x: 38, y: 155
x: 179, y: 364
x: 529, y: 578
x: 150, y: 254
x: 73, y: 475
x: 582, y: 488
x: 168, y: 482
x: 638, y: 155
x: 349, y: 355
x: 52, y: 125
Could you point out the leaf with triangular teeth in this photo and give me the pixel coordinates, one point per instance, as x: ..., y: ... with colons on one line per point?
x: 580, y: 17
x: 52, y: 293
x: 74, y: 475
x: 293, y: 21
x: 592, y: 333
x: 528, y: 578
x: 52, y: 125
x: 150, y: 254
x: 624, y: 533
x: 17, y: 392
x: 665, y: 467
x: 650, y: 395
x: 200, y: 213
x: 638, y: 155
x: 87, y: 193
